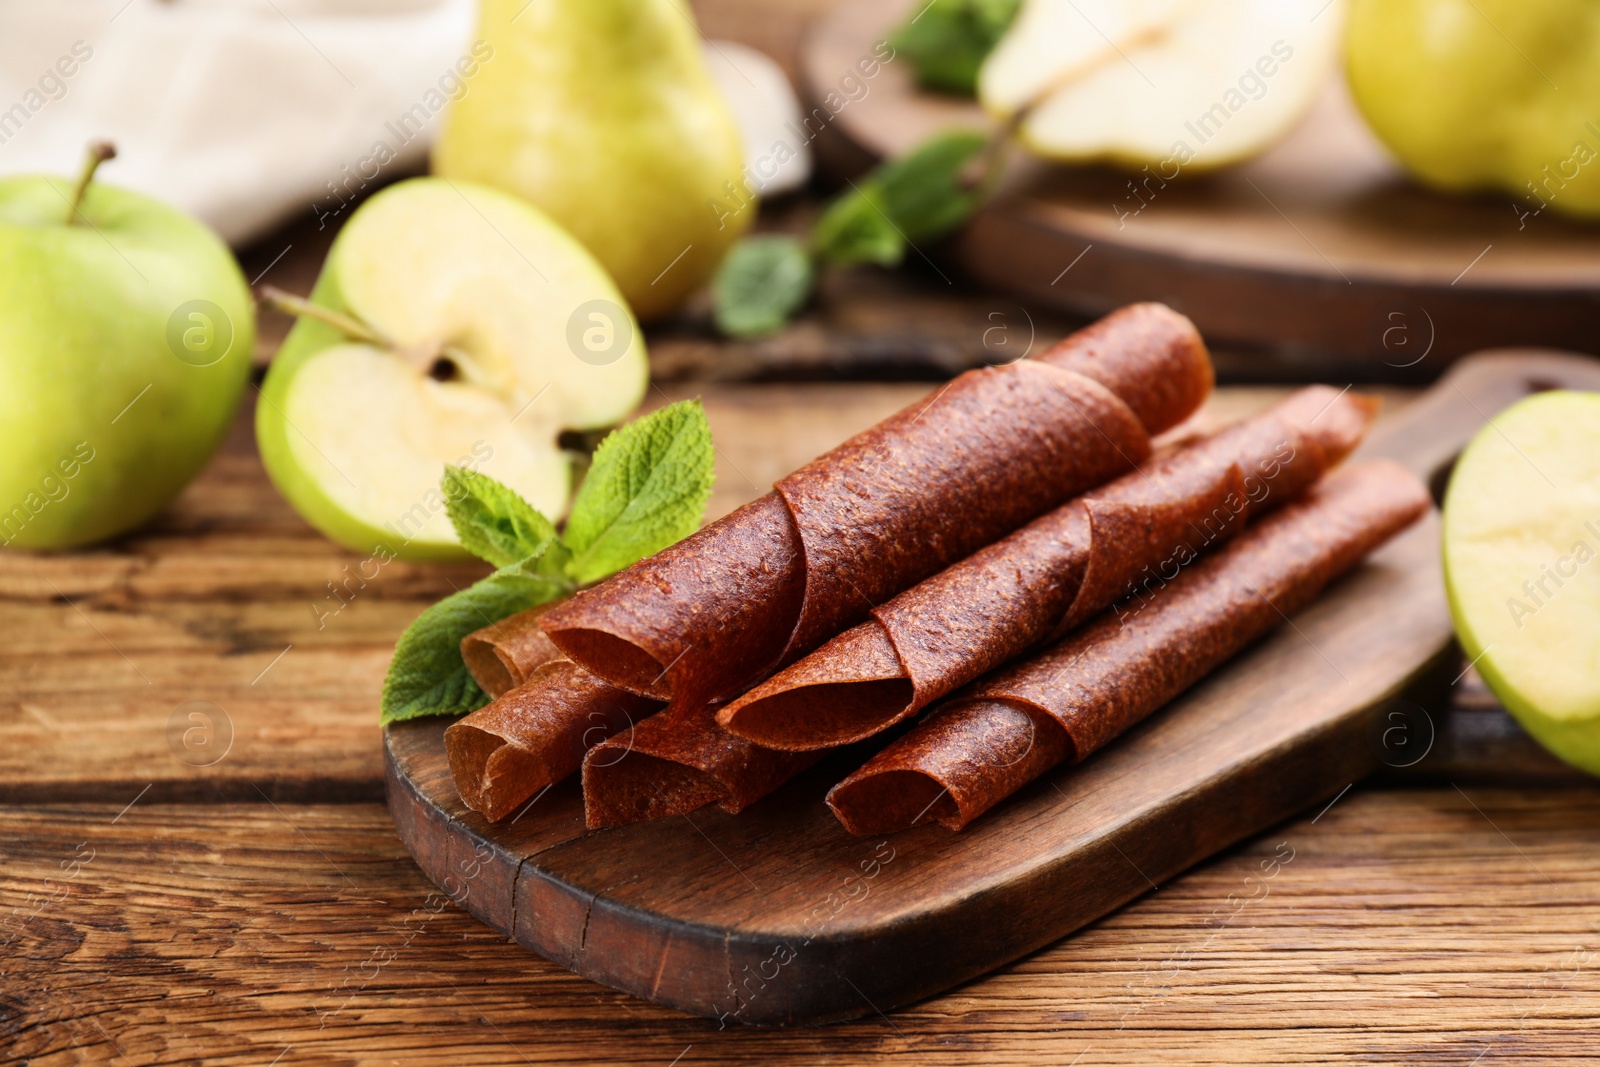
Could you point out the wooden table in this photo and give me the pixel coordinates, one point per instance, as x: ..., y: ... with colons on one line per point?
x: 260, y: 909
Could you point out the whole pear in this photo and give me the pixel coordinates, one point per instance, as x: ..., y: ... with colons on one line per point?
x: 1485, y: 94
x: 602, y: 113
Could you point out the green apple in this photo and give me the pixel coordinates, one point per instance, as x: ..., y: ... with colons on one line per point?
x: 451, y: 324
x: 1522, y: 566
x: 1485, y: 94
x: 1168, y: 85
x: 126, y: 331
x: 603, y: 114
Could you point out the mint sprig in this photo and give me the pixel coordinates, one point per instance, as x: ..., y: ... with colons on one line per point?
x: 947, y: 42
x: 647, y: 488
x: 491, y: 520
x: 764, y: 280
x: 920, y: 196
x: 427, y: 675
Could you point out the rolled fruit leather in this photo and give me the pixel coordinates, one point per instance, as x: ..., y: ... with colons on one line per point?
x: 703, y: 620
x: 988, y: 741
x: 679, y: 761
x: 890, y: 506
x: 546, y: 714
x: 1049, y: 576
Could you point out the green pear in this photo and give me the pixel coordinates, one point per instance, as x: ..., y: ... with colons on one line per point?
x: 125, y: 338
x: 1485, y: 94
x: 602, y: 113
x: 451, y: 324
x: 1522, y: 566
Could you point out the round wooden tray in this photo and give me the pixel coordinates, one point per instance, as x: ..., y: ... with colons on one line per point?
x: 1320, y: 247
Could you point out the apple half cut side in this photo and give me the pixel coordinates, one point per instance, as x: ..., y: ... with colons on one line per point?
x: 1522, y: 566
x: 1173, y: 84
x: 478, y: 332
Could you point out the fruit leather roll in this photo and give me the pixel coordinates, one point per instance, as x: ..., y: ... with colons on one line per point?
x: 994, y: 449
x: 1049, y: 576
x: 677, y: 761
x: 547, y: 713
x: 1012, y: 726
x: 504, y: 654
x: 535, y: 735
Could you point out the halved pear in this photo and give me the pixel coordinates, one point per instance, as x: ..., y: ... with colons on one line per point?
x: 1176, y: 84
x: 478, y: 332
x: 1522, y: 566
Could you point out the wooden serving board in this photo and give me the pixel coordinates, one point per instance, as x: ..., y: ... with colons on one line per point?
x: 1320, y: 249
x: 777, y: 916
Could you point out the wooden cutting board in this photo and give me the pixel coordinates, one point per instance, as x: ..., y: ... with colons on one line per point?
x: 1320, y: 250
x: 777, y: 916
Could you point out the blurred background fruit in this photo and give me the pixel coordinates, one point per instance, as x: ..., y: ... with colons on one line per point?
x: 1174, y: 85
x: 603, y: 114
x: 1485, y: 94
x: 1522, y: 566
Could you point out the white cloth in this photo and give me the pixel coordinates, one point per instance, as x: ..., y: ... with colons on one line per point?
x: 245, y: 112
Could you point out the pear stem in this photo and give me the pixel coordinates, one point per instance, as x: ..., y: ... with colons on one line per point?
x: 353, y: 328
x: 99, y: 152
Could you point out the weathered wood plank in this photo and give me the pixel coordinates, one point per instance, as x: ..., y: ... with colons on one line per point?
x: 1416, y: 926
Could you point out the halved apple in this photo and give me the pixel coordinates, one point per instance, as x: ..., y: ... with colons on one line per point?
x: 1175, y: 84
x: 1522, y: 566
x: 452, y: 324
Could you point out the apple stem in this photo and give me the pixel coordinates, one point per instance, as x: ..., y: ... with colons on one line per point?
x: 299, y: 306
x: 99, y: 152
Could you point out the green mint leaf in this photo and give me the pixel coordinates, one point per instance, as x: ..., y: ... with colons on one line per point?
x: 427, y: 675
x: 920, y: 196
x: 492, y: 521
x: 947, y: 41
x: 761, y: 283
x: 647, y: 489
x: 856, y: 229
x: 924, y: 192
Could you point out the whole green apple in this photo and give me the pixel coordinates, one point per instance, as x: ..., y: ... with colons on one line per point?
x: 126, y: 330
x: 1485, y: 94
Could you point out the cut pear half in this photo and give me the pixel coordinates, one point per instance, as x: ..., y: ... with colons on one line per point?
x: 1522, y: 566
x: 467, y: 329
x: 1174, y: 84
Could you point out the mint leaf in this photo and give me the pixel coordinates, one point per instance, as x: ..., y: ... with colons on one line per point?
x: 924, y: 191
x: 647, y: 489
x: 492, y: 521
x: 920, y: 196
x: 761, y: 283
x: 947, y: 42
x: 427, y: 675
x: 856, y: 229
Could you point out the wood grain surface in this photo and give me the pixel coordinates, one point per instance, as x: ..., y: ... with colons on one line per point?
x: 1440, y: 927
x: 1321, y: 244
